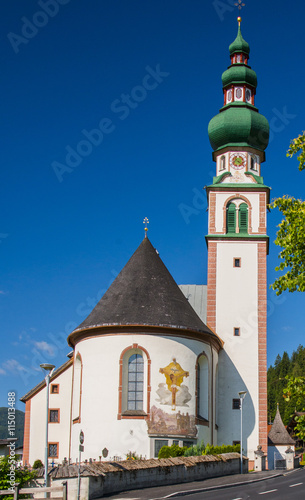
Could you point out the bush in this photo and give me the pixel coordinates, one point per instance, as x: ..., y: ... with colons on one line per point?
x: 195, y: 450
x: 172, y: 451
x: 37, y: 464
x: 200, y: 449
x: 22, y: 476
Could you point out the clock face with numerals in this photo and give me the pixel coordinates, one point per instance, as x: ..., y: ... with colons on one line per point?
x: 238, y: 160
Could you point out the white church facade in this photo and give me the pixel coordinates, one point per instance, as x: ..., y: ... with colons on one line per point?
x: 155, y: 363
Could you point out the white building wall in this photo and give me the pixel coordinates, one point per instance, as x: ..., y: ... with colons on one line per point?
x: 58, y: 432
x: 100, y: 398
x: 237, y: 307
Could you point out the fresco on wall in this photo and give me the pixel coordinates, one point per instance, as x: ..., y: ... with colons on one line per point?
x: 173, y: 392
x: 178, y: 424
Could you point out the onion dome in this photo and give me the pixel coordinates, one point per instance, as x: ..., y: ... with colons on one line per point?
x: 239, y: 124
x: 239, y: 74
x: 239, y: 44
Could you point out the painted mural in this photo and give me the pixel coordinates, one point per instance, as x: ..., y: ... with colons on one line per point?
x: 173, y: 392
x: 178, y: 424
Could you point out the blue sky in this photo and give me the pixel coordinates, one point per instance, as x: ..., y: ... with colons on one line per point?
x: 66, y: 70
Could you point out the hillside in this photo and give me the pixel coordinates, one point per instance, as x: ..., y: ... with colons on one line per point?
x: 19, y: 425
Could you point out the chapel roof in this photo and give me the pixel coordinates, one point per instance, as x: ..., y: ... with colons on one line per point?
x: 145, y: 293
x: 278, y: 434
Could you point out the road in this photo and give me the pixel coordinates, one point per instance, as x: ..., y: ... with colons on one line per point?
x: 288, y: 487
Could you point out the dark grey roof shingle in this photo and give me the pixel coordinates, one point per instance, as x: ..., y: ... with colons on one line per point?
x: 278, y: 433
x: 144, y: 293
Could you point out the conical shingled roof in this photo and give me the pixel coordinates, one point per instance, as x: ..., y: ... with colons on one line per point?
x: 278, y: 433
x: 144, y: 293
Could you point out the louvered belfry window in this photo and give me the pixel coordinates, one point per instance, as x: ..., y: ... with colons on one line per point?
x: 243, y: 218
x: 231, y: 218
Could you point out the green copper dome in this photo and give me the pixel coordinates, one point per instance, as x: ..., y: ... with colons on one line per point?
x: 238, y: 123
x: 239, y: 126
x: 239, y: 73
x: 239, y: 44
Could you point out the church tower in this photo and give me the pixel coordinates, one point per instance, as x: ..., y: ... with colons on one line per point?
x: 237, y: 249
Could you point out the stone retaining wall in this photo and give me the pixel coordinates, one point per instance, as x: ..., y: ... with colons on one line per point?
x: 103, y: 478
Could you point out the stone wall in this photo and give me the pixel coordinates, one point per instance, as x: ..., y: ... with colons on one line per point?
x: 103, y: 478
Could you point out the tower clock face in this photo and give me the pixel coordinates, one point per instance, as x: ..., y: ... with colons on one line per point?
x: 238, y: 160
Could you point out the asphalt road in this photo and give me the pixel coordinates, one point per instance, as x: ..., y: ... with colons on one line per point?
x: 268, y: 485
x: 288, y: 487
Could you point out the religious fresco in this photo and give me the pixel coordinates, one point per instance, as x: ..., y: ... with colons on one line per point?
x: 178, y: 424
x: 173, y: 392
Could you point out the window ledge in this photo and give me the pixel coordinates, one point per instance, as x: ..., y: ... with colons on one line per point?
x: 202, y: 421
x: 134, y: 413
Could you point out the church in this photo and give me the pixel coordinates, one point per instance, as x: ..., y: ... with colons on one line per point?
x: 157, y: 364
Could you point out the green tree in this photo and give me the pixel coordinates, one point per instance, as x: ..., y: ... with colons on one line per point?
x: 22, y: 475
x: 295, y: 390
x: 291, y: 236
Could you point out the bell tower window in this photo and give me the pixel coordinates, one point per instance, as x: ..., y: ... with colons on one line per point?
x: 231, y: 218
x: 243, y: 218
x: 222, y: 163
x: 253, y: 163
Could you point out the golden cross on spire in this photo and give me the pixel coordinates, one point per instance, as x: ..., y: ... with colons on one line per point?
x: 239, y: 4
x: 146, y: 221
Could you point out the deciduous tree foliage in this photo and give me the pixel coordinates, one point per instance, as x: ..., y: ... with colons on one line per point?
x: 295, y: 390
x: 22, y: 475
x: 291, y: 234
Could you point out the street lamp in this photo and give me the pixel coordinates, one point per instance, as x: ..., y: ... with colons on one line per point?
x: 241, y: 398
x: 49, y: 370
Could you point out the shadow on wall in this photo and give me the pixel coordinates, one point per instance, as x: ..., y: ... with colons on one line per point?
x: 227, y: 418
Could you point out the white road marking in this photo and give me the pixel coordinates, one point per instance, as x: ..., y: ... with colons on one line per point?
x: 265, y: 492
x: 296, y: 484
x: 237, y: 499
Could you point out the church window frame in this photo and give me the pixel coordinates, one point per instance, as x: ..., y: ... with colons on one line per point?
x: 237, y: 262
x: 54, y: 388
x: 236, y: 331
x: 135, y: 386
x: 202, y: 389
x: 53, y: 450
x: 54, y: 416
x: 125, y: 381
x: 222, y: 163
x: 231, y: 222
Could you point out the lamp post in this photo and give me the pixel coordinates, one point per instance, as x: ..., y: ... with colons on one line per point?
x: 242, y: 395
x: 49, y: 370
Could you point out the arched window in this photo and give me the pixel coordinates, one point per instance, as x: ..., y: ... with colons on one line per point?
x: 243, y: 218
x: 231, y: 218
x: 134, y: 386
x: 222, y: 162
x: 253, y: 163
x: 135, y: 382
x: 77, y: 389
x: 202, y: 402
